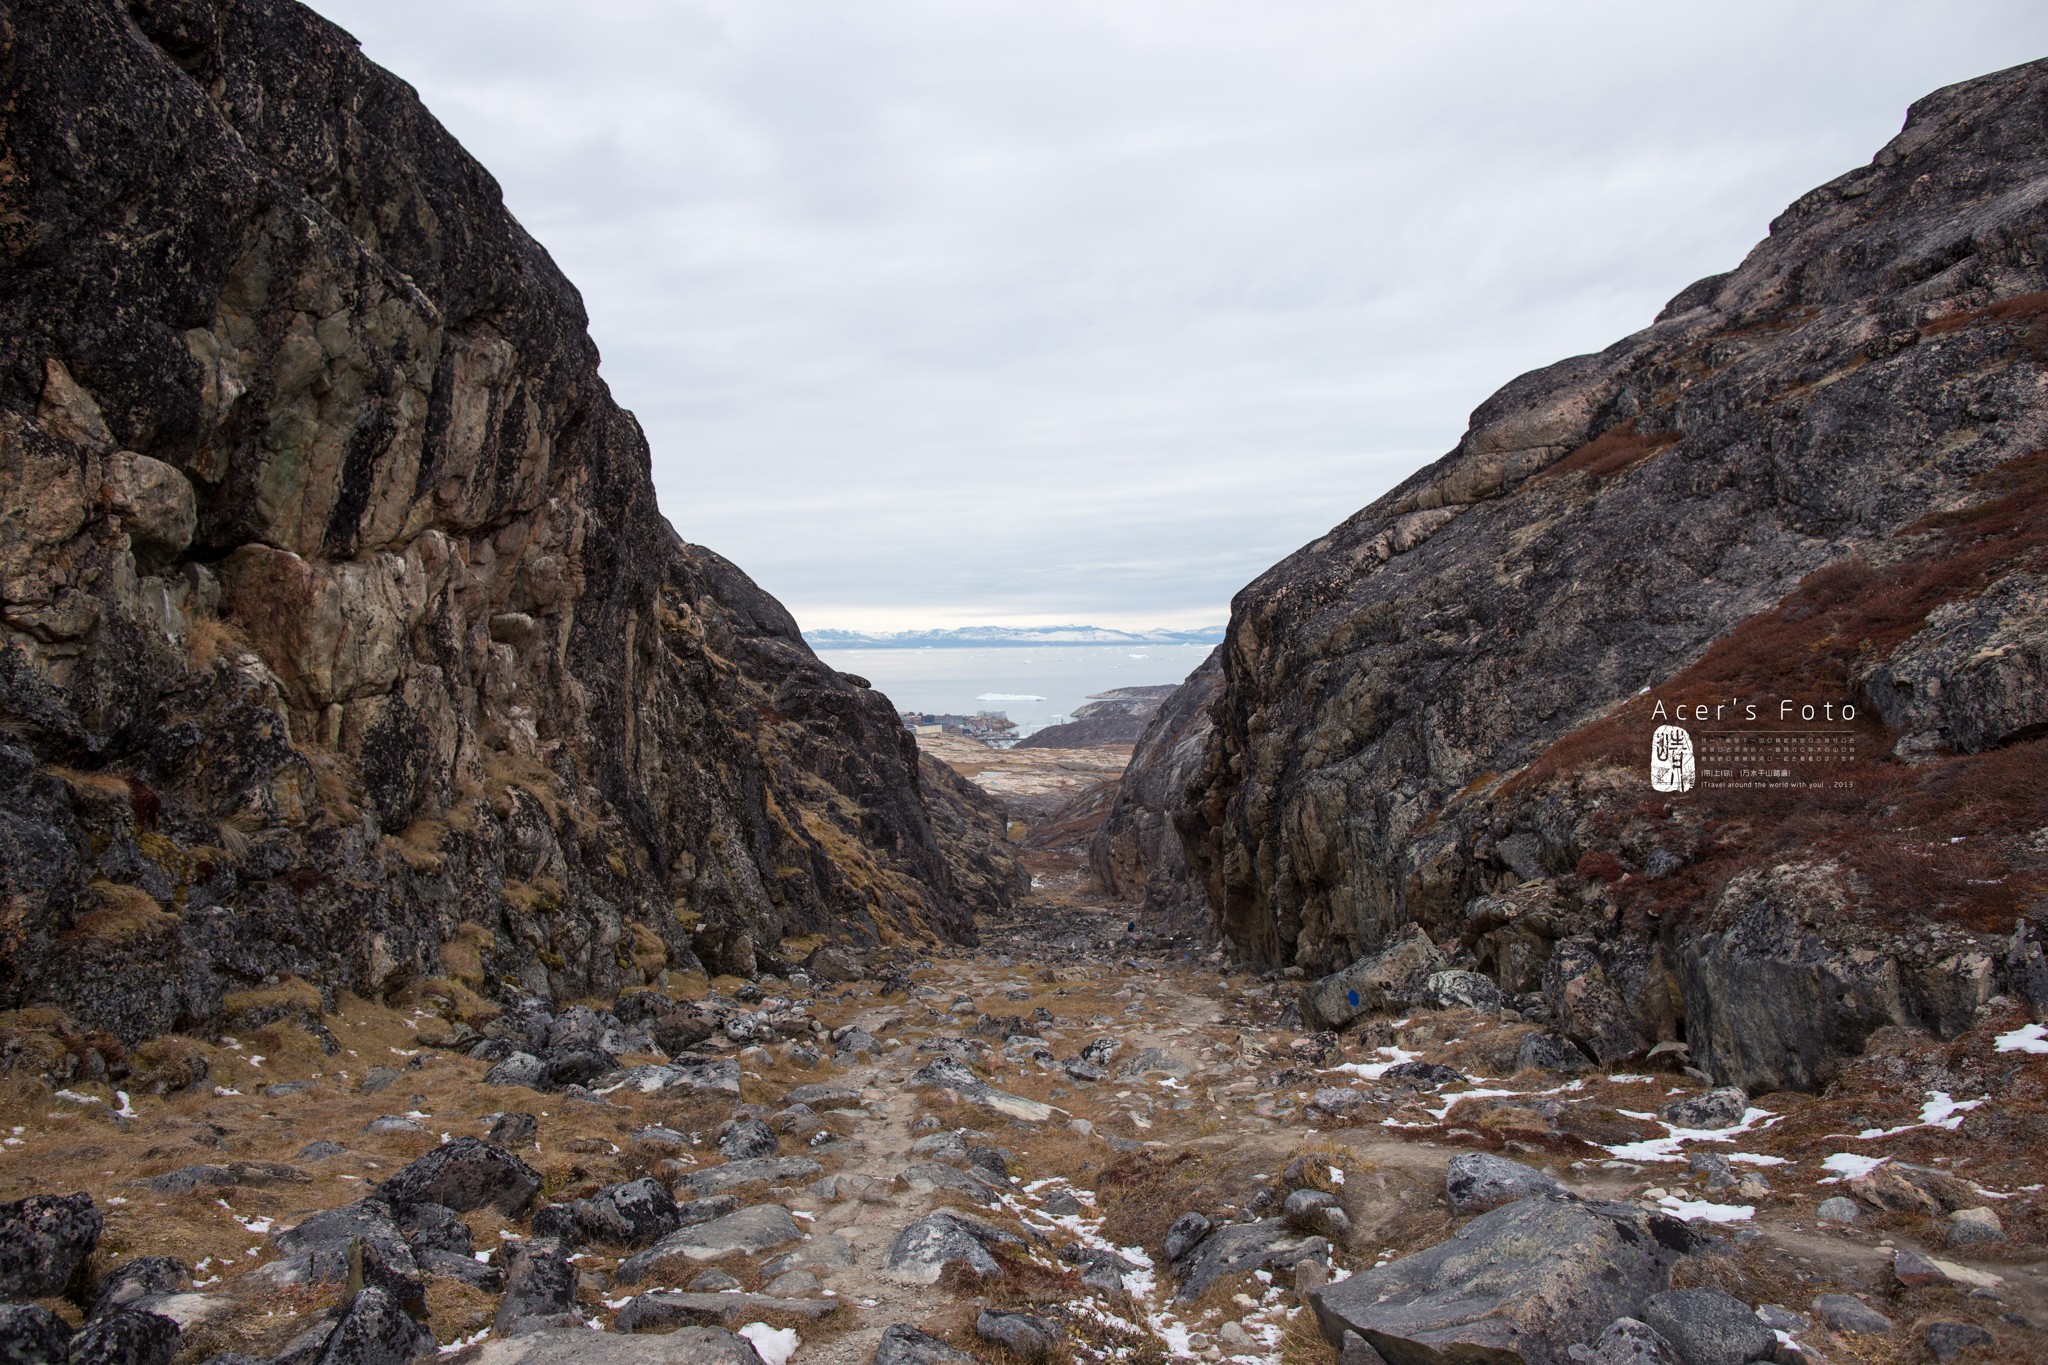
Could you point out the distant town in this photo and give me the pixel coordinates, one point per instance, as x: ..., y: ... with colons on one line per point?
x: 990, y: 727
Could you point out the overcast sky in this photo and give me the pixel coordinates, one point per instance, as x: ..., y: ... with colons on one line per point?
x: 944, y: 312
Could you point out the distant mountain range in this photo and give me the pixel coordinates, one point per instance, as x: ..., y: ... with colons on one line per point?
x: 984, y: 637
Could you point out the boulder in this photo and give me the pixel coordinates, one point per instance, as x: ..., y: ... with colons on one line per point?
x: 1846, y: 1313
x: 1374, y: 983
x: 662, y: 1310
x: 927, y: 1177
x: 127, y: 1336
x: 575, y: 1066
x: 1241, y: 1248
x: 1589, y: 1007
x: 141, y: 1278
x: 923, y: 1250
x: 1975, y: 1227
x: 317, y: 1247
x: 681, y: 1029
x: 902, y: 1344
x: 1947, y: 1340
x: 540, y: 1291
x: 1722, y: 1107
x: 1023, y: 1335
x: 1837, y: 1209
x: 763, y: 1227
x: 754, y: 1170
x: 1456, y: 990
x: 513, y: 1130
x: 375, y: 1329
x: 32, y: 1335
x: 435, y: 1227
x: 631, y: 1214
x: 1551, y: 1052
x: 1184, y: 1233
x: 745, y: 1138
x: 1475, y: 1182
x: 1422, y: 1073
x: 521, y: 1068
x: 1708, y: 1327
x: 465, y: 1174
x: 690, y: 1076
x: 1341, y: 1102
x: 834, y: 964
x: 1520, y: 1282
x: 44, y: 1239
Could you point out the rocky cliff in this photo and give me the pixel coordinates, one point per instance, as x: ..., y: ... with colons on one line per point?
x: 1819, y: 477
x: 340, y: 621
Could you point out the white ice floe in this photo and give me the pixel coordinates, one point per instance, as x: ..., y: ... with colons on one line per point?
x: 1671, y: 1147
x: 1009, y: 696
x: 2026, y: 1038
x: 1940, y: 1111
x: 1701, y: 1211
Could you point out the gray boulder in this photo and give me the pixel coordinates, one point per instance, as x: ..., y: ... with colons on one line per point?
x: 1838, y: 1209
x: 513, y: 1130
x: 631, y: 1214
x: 141, y: 1278
x: 1520, y: 1282
x: 1372, y: 984
x: 1023, y: 1335
x: 521, y: 1068
x: 763, y: 1227
x: 755, y: 1170
x: 1719, y: 1108
x: 921, y: 1252
x: 745, y: 1138
x: 31, y: 1334
x: 317, y: 1247
x: 1184, y: 1233
x: 1947, y: 1340
x: 1241, y: 1248
x: 1708, y: 1327
x: 662, y: 1310
x: 1477, y: 1181
x: 1457, y: 990
x: 464, y: 1175
x: 540, y: 1291
x: 581, y: 1346
x: 1846, y: 1313
x: 1551, y: 1052
x: 44, y: 1239
x: 375, y: 1329
x: 128, y: 1336
x: 902, y: 1344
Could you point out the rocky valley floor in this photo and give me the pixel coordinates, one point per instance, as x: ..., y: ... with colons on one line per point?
x: 1076, y: 1141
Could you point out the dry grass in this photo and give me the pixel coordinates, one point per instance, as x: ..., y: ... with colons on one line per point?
x: 420, y: 844
x: 208, y: 639
x: 125, y: 914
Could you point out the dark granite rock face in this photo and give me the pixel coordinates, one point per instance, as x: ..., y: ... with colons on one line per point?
x: 1136, y: 854
x: 1817, y: 477
x: 322, y: 529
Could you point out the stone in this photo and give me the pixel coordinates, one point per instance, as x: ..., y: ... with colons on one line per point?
x: 834, y: 964
x: 514, y: 1130
x: 127, y: 1336
x: 902, y: 1344
x: 375, y: 1329
x: 734, y: 1175
x: 680, y: 1029
x: 1718, y: 1108
x: 1308, y: 1210
x: 581, y: 1346
x: 763, y: 1227
x: 1521, y: 1280
x: 540, y: 1291
x: 394, y: 1123
x: 1628, y: 1341
x: 463, y: 1266
x: 928, y: 1177
x: 1846, y: 1313
x: 44, y: 1240
x: 317, y: 1247
x: 1183, y: 1234
x: 823, y: 1097
x: 1023, y: 1335
x: 695, y: 1211
x: 923, y: 1250
x: 1978, y: 1226
x: 521, y: 1068
x: 1837, y: 1209
x: 1475, y: 1182
x: 1354, y: 1349
x: 1341, y: 1102
x: 823, y: 1251
x: 141, y: 1278
x: 661, y: 1310
x: 32, y: 1335
x: 154, y: 501
x: 1377, y: 982
x: 1551, y: 1052
x: 228, y: 1176
x: 744, y: 1138
x: 465, y: 1174
x: 692, y: 1076
x: 1457, y: 990
x: 791, y: 1283
x: 631, y: 1214
x: 321, y: 1151
x: 575, y: 1066
x: 1241, y: 1248
x: 1708, y: 1327
x: 1947, y: 1340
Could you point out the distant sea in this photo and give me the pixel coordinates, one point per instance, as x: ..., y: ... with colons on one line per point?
x: 1035, y: 686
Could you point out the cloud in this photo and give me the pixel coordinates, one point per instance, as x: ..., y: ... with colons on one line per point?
x: 939, y: 312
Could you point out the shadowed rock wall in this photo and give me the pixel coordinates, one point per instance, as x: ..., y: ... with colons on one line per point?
x: 338, y: 613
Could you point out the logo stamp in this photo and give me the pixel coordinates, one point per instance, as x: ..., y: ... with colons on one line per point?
x: 1671, y: 763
